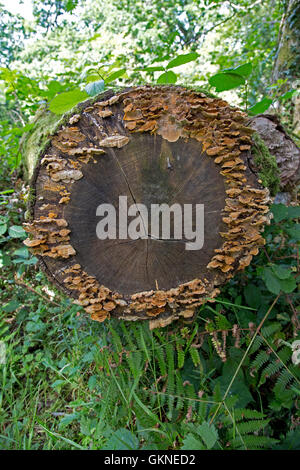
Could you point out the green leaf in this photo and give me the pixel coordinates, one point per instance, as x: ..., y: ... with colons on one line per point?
x: 244, y: 69
x: 209, y: 434
x: 58, y: 383
x: 167, y: 77
x: 22, y: 252
x: 113, y: 76
x: 293, y: 212
x: 287, y: 95
x: 253, y: 296
x: 260, y: 107
x: 150, y: 69
x: 294, y: 232
x: 182, y: 59
x: 15, y: 231
x: 288, y: 285
x: 281, y: 272
x: 272, y: 282
x: 94, y: 88
x: 280, y: 212
x: 122, y: 439
x: 3, y: 228
x: 66, y: 101
x: 191, y: 443
x: 226, y: 81
x: 4, y: 259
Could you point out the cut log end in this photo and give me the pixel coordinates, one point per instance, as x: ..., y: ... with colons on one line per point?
x: 134, y: 152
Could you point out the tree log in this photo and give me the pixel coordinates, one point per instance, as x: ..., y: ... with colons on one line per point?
x: 152, y: 145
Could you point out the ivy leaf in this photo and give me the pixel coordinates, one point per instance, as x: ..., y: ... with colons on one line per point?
x: 94, y: 88
x: 182, y: 59
x: 226, y: 81
x: 113, y: 76
x: 65, y: 101
x: 167, y: 77
x: 261, y: 106
x: 15, y: 231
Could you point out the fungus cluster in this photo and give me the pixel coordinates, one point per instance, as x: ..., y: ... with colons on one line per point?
x: 173, y: 113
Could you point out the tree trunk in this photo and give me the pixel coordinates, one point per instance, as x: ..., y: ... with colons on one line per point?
x: 287, y: 62
x: 149, y: 146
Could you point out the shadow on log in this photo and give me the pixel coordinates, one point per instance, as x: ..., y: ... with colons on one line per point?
x: 150, y: 146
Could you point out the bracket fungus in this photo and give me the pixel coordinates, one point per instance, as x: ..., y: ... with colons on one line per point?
x: 154, y: 145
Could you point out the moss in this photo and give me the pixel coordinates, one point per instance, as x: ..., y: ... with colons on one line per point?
x: 45, y: 125
x: 35, y: 140
x: 266, y: 165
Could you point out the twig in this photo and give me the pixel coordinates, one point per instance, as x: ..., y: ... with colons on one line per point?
x: 31, y: 289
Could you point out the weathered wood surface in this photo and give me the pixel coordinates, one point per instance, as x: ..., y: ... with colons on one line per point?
x: 154, y: 145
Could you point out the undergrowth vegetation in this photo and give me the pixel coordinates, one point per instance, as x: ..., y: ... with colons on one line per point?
x: 229, y: 380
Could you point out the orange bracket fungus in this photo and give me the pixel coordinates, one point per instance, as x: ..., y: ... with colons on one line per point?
x: 154, y: 145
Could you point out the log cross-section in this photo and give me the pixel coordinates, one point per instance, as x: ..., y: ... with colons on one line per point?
x: 135, y: 150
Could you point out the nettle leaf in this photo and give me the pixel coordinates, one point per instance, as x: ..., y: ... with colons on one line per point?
x: 113, y: 76
x: 208, y: 433
x: 167, y: 77
x: 94, y: 88
x: 182, y: 59
x: 191, y: 443
x: 122, y: 439
x: 261, y: 106
x: 15, y: 231
x: 65, y: 101
x: 224, y: 81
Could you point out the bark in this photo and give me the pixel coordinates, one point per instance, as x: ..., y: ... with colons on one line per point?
x: 284, y: 149
x: 153, y: 145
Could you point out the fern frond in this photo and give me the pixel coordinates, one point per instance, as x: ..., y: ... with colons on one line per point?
x: 253, y: 426
x: 261, y: 358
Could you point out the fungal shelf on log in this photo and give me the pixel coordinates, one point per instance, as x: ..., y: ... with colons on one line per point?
x: 135, y: 150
